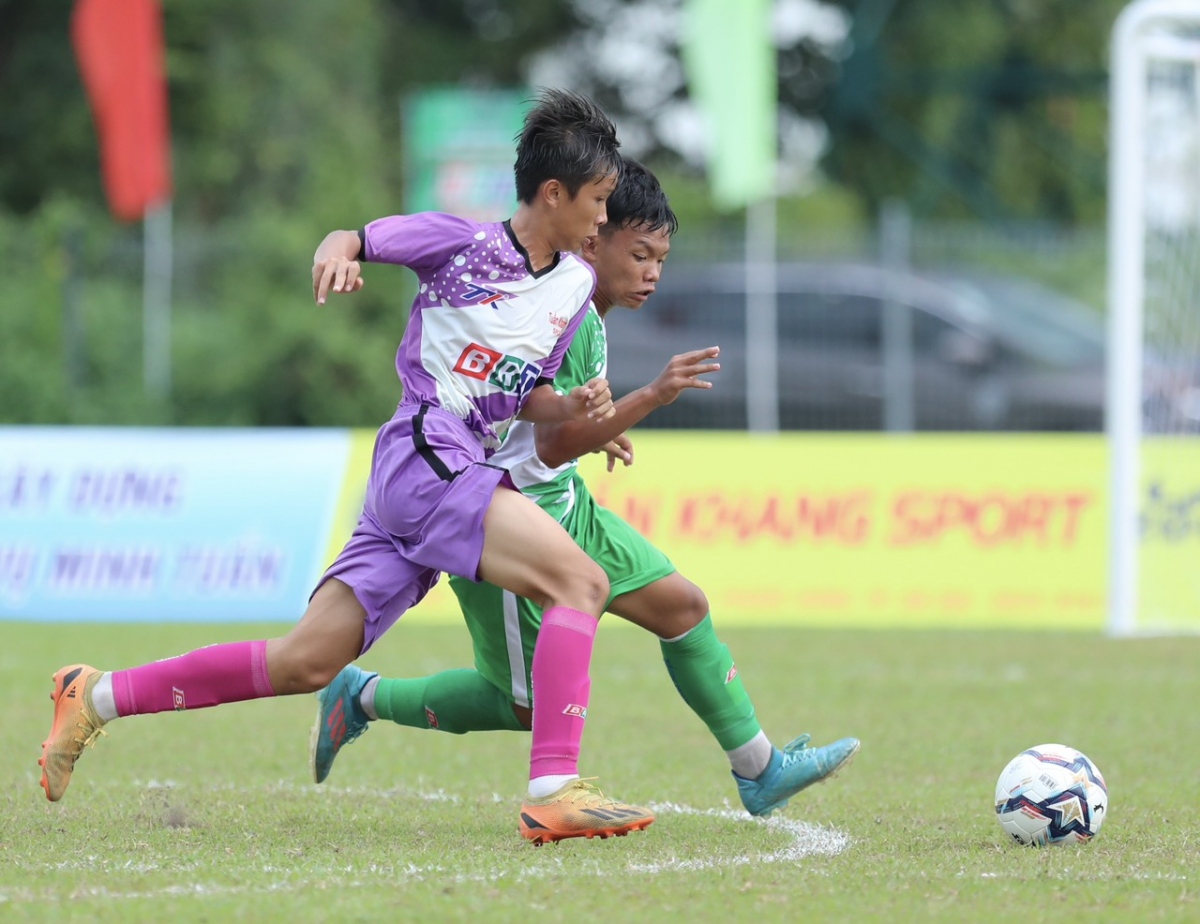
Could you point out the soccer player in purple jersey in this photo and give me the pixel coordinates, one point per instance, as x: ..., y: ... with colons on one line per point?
x: 498, y: 304
x: 644, y: 587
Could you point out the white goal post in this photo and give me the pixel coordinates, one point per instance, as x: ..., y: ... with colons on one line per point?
x: 1153, y: 400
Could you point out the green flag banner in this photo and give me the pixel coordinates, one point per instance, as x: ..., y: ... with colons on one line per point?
x: 458, y: 150
x: 730, y: 63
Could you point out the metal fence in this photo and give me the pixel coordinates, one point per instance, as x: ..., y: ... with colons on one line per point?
x: 912, y: 325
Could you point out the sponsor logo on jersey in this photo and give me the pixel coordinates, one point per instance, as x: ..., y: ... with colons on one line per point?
x: 559, y: 323
x: 477, y: 361
x: 481, y: 294
x: 573, y: 709
x: 510, y: 374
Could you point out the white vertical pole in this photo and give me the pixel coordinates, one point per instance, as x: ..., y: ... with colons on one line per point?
x: 895, y: 239
x: 1126, y: 289
x: 1125, y: 267
x: 156, y: 301
x: 762, y: 344
x: 1126, y: 185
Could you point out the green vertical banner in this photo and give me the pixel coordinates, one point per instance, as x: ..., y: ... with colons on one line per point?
x: 730, y: 61
x: 459, y: 148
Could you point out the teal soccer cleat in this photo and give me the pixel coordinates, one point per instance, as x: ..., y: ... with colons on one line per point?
x: 794, y: 768
x: 340, y: 719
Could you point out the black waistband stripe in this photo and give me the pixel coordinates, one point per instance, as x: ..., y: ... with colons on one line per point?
x: 439, y: 467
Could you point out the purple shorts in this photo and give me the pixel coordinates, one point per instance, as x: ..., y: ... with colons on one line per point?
x: 427, y: 493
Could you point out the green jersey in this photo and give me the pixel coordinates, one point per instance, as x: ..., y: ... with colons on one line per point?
x: 504, y: 627
x: 554, y: 489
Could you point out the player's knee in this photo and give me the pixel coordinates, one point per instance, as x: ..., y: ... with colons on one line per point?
x: 693, y: 605
x: 296, y: 669
x: 582, y: 585
x: 684, y: 610
x: 310, y: 676
x: 594, y: 587
x: 318, y: 674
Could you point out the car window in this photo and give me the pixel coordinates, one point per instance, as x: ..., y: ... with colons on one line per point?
x: 846, y: 321
x: 930, y: 334
x: 833, y: 320
x: 699, y: 311
x: 1041, y: 324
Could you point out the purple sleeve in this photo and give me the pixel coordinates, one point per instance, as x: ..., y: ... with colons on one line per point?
x: 550, y: 369
x: 423, y: 242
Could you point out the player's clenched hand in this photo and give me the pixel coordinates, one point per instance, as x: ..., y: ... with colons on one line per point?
x: 594, y: 400
x: 337, y: 274
x: 683, y: 371
x: 619, y: 447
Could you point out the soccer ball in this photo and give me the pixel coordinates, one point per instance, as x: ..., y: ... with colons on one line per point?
x: 1051, y: 794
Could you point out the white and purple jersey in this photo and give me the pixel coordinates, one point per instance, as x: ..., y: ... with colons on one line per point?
x: 554, y: 488
x: 484, y: 328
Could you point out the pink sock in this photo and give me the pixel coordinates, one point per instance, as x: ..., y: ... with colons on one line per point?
x: 561, y: 687
x: 210, y: 676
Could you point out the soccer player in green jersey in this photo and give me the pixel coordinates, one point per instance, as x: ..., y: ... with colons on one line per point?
x: 628, y: 255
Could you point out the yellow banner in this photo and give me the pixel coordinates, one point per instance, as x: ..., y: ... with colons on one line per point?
x: 870, y: 530
x: 1169, y: 563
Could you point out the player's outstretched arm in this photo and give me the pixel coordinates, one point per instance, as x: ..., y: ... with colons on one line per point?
x: 559, y: 443
x: 335, y: 265
x: 586, y: 404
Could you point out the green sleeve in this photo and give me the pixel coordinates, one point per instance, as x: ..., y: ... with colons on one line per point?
x: 586, y: 357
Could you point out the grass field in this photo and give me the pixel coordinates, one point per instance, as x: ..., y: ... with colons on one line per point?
x: 210, y: 815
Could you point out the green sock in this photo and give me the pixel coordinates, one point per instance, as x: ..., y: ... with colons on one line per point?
x: 458, y: 702
x: 702, y: 668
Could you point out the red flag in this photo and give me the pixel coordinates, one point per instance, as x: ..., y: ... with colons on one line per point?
x: 119, y: 44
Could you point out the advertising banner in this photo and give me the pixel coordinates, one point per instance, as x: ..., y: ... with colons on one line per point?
x: 869, y: 530
x: 798, y: 529
x: 1169, y: 559
x: 458, y: 151
x: 143, y: 524
x: 860, y: 529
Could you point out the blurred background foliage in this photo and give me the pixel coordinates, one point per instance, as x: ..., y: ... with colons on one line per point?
x: 285, y: 120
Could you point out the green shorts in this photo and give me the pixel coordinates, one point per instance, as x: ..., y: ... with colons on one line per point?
x: 504, y: 627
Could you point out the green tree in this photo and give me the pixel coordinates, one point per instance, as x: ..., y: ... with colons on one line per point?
x: 996, y: 110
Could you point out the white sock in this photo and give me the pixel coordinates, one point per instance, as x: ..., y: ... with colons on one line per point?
x: 103, y: 700
x: 542, y: 786
x: 366, y: 698
x: 751, y: 759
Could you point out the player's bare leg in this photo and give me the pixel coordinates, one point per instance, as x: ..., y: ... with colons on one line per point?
x: 526, y: 552
x: 327, y: 638
x: 316, y: 656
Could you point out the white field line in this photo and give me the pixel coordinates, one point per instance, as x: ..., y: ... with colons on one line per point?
x: 804, y: 840
x: 801, y: 840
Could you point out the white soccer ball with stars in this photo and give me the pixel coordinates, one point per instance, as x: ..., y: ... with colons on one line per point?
x: 1051, y: 794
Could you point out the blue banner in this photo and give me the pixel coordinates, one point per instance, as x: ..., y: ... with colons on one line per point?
x: 165, y: 525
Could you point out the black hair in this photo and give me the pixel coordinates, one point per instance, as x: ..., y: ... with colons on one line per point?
x: 565, y: 137
x: 638, y: 202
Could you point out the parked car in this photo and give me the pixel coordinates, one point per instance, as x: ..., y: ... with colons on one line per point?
x: 987, y: 353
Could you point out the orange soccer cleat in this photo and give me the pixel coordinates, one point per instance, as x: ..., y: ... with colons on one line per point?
x: 76, y: 725
x: 579, y: 809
